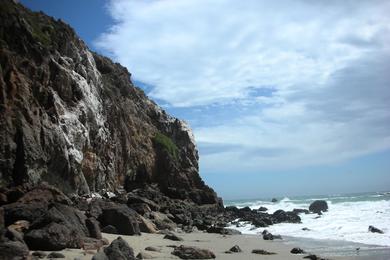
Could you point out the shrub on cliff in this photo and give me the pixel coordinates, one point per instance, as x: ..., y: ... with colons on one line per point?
x: 166, y: 144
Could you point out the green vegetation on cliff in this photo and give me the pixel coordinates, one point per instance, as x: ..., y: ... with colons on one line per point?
x: 167, y: 144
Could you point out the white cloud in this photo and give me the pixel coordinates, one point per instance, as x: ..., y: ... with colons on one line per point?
x: 326, y: 62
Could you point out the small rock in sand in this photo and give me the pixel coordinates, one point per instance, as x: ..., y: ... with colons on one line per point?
x: 262, y: 252
x: 375, y: 230
x: 297, y: 250
x: 235, y: 249
x: 55, y: 255
x: 173, y: 237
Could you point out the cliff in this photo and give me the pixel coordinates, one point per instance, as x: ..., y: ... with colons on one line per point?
x: 74, y: 119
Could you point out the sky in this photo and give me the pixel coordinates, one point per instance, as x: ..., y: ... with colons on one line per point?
x: 284, y: 97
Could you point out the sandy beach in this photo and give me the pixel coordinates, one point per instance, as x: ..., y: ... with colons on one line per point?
x: 214, y: 242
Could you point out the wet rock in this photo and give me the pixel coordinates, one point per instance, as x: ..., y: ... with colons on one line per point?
x: 173, y: 237
x: 297, y: 250
x: 55, y: 255
x: 283, y: 216
x: 13, y: 250
x: 119, y: 249
x: 262, y: 209
x: 246, y: 209
x: 191, y: 252
x: 235, y: 249
x: 375, y: 230
x: 262, y: 252
x: 318, y: 206
x: 306, y: 229
x: 274, y: 200
x: 109, y: 229
x: 268, y: 236
x: 299, y: 211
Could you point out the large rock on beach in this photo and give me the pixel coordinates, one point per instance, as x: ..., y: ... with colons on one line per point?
x: 122, y: 218
x: 60, y: 227
x: 318, y: 206
x: 192, y: 252
x: 119, y: 249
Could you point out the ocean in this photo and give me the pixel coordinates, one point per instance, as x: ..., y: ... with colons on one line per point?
x: 345, y: 224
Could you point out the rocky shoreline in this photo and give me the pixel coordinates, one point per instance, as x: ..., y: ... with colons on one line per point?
x: 45, y: 219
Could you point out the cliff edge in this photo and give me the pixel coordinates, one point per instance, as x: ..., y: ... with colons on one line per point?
x: 74, y: 119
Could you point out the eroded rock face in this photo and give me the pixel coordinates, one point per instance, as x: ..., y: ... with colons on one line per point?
x: 74, y: 119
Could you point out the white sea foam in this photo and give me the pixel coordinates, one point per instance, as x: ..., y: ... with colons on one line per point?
x: 348, y: 220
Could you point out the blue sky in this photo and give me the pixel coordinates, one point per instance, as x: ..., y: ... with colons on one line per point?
x: 284, y: 98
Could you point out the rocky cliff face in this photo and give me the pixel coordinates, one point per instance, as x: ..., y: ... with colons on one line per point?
x: 74, y: 119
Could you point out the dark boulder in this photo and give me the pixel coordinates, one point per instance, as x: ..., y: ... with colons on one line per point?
x: 232, y: 209
x: 283, y: 216
x: 109, y: 229
x: 297, y: 250
x: 262, y: 209
x: 119, y: 249
x: 60, y: 227
x: 375, y: 230
x: 318, y: 206
x: 53, y: 236
x: 299, y: 211
x: 245, y: 209
x: 191, y: 252
x: 14, y: 250
x: 274, y: 200
x: 93, y: 228
x: 268, y: 236
x: 23, y: 211
x: 122, y: 218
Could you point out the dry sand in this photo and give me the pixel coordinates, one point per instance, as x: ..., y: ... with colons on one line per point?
x: 215, y: 242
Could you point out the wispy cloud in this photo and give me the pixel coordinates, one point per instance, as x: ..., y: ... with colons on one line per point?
x: 283, y: 83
